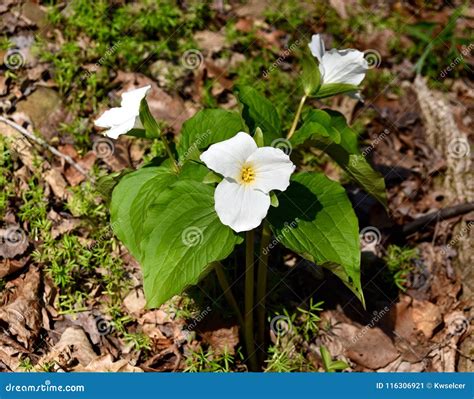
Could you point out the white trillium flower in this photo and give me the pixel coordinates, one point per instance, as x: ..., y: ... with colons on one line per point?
x: 121, y: 120
x: 242, y: 199
x: 339, y: 66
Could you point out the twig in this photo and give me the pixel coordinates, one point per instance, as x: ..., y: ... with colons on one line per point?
x: 442, y: 214
x: 44, y: 144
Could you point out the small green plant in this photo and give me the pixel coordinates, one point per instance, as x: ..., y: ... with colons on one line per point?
x: 400, y: 262
x: 25, y: 364
x: 331, y: 365
x: 293, y: 331
x: 310, y: 319
x: 208, y: 361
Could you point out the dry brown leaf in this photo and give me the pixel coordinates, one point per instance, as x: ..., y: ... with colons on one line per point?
x: 211, y: 42
x: 57, y: 183
x: 426, y: 317
x: 9, y: 266
x: 106, y: 364
x: 223, y: 339
x: 13, y: 242
x: 135, y: 301
x: 73, y: 347
x: 373, y: 349
x: 21, y: 314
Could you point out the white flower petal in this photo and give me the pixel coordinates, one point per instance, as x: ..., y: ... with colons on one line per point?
x: 344, y: 66
x: 273, y: 169
x: 317, y: 47
x: 133, y: 98
x: 112, y: 117
x: 239, y: 206
x: 115, y: 131
x: 126, y: 117
x: 228, y: 156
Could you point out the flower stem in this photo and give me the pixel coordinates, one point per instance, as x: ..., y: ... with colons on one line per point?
x: 221, y: 277
x: 169, y: 153
x: 249, y: 293
x: 262, y: 286
x: 297, y: 116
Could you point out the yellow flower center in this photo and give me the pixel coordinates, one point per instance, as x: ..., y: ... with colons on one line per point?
x: 247, y: 175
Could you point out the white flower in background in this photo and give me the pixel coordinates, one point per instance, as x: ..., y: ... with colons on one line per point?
x: 339, y: 66
x: 121, y: 120
x: 242, y: 199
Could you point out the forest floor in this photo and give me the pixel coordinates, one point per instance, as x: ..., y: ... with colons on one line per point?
x: 71, y: 296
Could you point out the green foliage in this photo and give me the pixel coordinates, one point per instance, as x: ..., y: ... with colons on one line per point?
x: 436, y: 47
x: 400, y: 262
x: 289, y: 352
x: 326, y: 229
x: 330, y: 365
x: 258, y: 111
x: 168, y: 222
x: 207, y: 127
x: 310, y: 76
x: 6, y: 166
x: 182, y: 232
x: 328, y: 131
x: 201, y: 360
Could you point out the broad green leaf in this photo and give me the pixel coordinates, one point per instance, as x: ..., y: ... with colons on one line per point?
x: 123, y: 214
x: 106, y: 184
x: 152, y: 190
x: 134, y: 194
x: 207, y: 127
x: 152, y: 129
x: 258, y: 111
x: 185, y: 236
x: 316, y: 220
x: 310, y: 76
x: 328, y: 131
x: 332, y: 89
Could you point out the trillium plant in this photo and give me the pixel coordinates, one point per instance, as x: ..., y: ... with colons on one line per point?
x: 231, y: 187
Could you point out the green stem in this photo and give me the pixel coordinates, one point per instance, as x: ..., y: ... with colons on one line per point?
x: 170, y: 154
x: 262, y: 286
x: 249, y: 293
x: 221, y: 277
x: 297, y: 117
